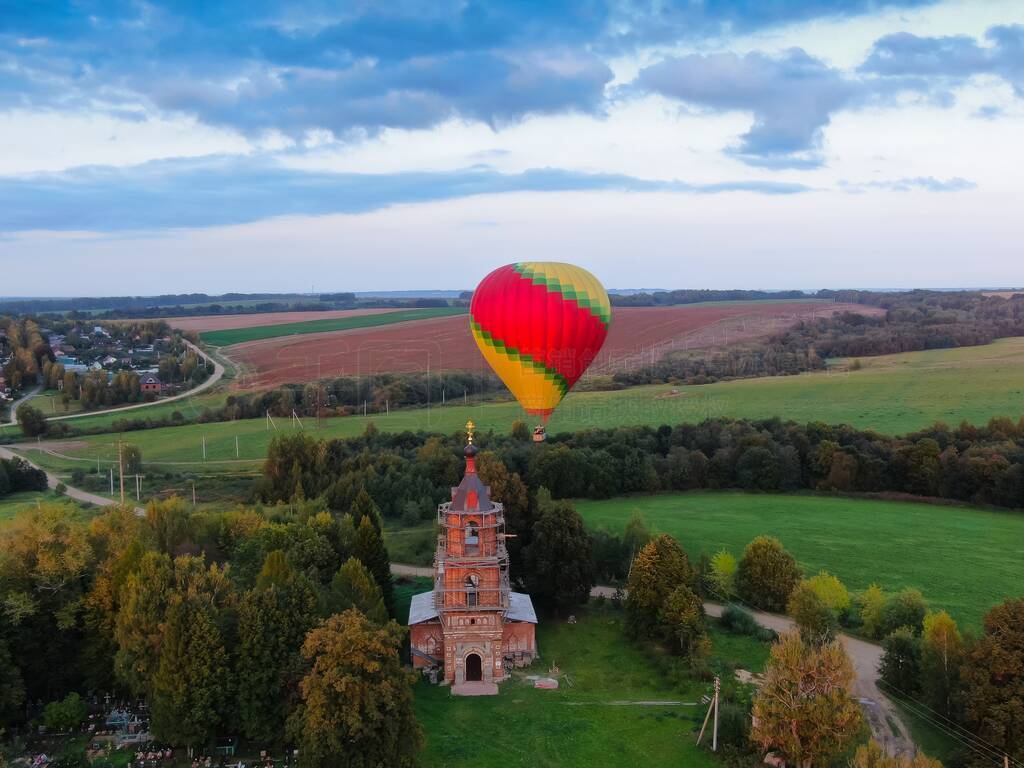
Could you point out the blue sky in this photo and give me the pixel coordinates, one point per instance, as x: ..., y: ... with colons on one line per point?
x: 154, y: 147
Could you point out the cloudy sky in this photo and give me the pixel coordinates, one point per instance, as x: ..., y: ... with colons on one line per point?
x: 262, y: 146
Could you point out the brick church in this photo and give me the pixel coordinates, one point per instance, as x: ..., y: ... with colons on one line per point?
x: 471, y: 625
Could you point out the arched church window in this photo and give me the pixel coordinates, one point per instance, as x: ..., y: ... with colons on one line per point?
x: 472, y: 587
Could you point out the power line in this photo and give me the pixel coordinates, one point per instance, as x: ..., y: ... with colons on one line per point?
x: 966, y: 738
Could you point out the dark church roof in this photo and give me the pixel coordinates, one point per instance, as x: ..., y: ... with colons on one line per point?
x: 471, y: 495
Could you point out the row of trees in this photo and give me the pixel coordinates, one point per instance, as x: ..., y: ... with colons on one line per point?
x: 271, y: 623
x: 974, y: 464
x: 27, y: 349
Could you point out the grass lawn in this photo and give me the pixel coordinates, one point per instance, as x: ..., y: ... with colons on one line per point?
x: 893, y: 394
x: 964, y: 560
x: 48, y: 401
x: 17, y: 502
x: 238, y: 335
x: 413, y: 545
x: 584, y: 722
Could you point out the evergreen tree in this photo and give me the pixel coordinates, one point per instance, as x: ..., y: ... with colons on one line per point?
x: 191, y: 689
x: 356, y: 709
x: 273, y: 619
x: 682, y: 617
x: 138, y: 629
x: 559, y: 566
x: 369, y: 549
x: 353, y: 587
x: 766, y: 574
x: 509, y: 489
x: 364, y: 506
x: 658, y: 569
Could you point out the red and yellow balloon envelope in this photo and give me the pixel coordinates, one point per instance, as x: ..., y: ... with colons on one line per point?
x: 540, y: 324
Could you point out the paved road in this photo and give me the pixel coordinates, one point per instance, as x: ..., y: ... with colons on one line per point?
x: 865, y: 657
x: 73, y: 493
x: 13, y: 419
x: 218, y: 374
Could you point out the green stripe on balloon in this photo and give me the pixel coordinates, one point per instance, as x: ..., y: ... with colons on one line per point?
x: 498, y: 345
x: 594, y: 306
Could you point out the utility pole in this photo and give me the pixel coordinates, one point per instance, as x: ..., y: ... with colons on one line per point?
x: 120, y: 469
x: 138, y: 489
x: 236, y: 446
x: 712, y: 706
x: 193, y: 493
x: 111, y: 481
x: 204, y: 447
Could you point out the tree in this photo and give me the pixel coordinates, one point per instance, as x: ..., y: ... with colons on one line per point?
x: 353, y: 587
x: 356, y: 707
x: 723, y: 574
x: 901, y: 662
x: 871, y: 755
x: 658, y: 569
x: 942, y: 653
x: 831, y: 590
x: 766, y: 574
x: 872, y: 604
x: 814, y: 618
x: 138, y: 629
x: 804, y: 709
x: 371, y: 552
x: 904, y: 609
x: 682, y: 616
x: 636, y: 534
x: 273, y: 619
x: 12, y: 687
x: 31, y: 420
x: 993, y: 675
x: 364, y: 506
x: 559, y: 565
x: 65, y: 716
x: 169, y: 523
x: 131, y: 459
x: 191, y: 688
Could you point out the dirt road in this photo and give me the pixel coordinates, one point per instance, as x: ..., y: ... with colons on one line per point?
x: 72, y: 493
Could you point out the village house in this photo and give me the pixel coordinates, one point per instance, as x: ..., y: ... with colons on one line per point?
x: 471, y: 627
x: 149, y: 383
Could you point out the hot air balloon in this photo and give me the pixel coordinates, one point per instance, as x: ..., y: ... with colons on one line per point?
x: 539, y: 325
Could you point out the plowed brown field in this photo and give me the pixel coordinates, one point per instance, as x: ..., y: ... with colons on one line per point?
x: 224, y: 322
x: 637, y: 335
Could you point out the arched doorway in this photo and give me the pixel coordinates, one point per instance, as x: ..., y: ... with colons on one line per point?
x: 474, y: 668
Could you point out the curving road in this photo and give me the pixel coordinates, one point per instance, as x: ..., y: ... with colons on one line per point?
x: 218, y: 374
x: 72, y: 493
x: 13, y: 420
x: 865, y: 657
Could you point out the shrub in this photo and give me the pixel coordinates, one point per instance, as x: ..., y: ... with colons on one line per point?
x: 66, y: 715
x: 739, y: 621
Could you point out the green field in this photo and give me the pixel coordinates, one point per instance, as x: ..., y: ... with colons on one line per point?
x: 48, y: 401
x: 238, y: 335
x: 586, y: 722
x: 894, y: 394
x: 964, y: 560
